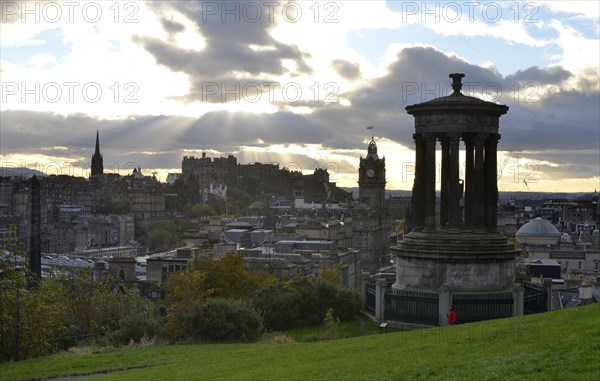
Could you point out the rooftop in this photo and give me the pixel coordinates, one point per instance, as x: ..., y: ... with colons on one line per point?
x: 538, y: 228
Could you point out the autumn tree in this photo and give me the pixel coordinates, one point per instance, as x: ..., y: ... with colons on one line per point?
x: 331, y: 274
x: 57, y: 312
x: 227, y: 277
x: 209, y: 278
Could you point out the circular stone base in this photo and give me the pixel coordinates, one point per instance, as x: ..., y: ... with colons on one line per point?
x: 463, y: 260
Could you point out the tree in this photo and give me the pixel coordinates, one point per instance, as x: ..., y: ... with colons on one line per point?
x: 201, y: 210
x: 57, y: 313
x: 204, y: 280
x: 159, y: 239
x: 227, y: 278
x: 331, y: 274
x: 185, y: 287
x: 209, y: 277
x: 162, y: 236
x: 184, y: 225
x: 238, y: 200
x: 332, y: 325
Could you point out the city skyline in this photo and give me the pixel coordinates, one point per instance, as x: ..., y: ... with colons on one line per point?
x: 161, y: 81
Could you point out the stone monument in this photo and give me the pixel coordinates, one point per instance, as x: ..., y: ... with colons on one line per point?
x: 462, y: 258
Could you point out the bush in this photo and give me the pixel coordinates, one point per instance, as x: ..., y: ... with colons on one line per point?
x: 304, y: 302
x: 332, y: 325
x: 137, y: 325
x: 216, y: 320
x: 59, y: 313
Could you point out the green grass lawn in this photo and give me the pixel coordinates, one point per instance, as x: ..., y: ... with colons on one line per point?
x: 560, y: 345
x: 360, y: 327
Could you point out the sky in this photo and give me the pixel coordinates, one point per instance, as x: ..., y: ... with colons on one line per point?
x: 295, y: 83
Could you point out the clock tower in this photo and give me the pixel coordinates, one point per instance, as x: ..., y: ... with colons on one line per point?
x: 371, y: 225
x: 371, y: 178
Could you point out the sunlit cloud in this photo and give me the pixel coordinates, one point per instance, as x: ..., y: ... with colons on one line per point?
x: 136, y: 76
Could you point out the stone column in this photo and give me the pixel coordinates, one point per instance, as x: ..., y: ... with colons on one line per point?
x: 35, y: 243
x: 429, y: 193
x: 491, y: 182
x: 418, y: 207
x: 479, y: 181
x: 445, y: 186
x: 364, y: 279
x: 548, y: 291
x: 518, y: 300
x: 469, y: 182
x: 453, y: 185
x: 380, y: 290
x: 444, y: 304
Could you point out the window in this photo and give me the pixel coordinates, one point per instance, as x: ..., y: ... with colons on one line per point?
x: 597, y: 263
x: 579, y: 265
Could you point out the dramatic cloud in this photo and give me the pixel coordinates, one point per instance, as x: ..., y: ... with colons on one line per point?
x: 235, y: 45
x: 346, y: 69
x: 554, y: 75
x: 197, y: 69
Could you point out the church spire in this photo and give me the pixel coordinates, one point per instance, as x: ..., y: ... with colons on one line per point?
x: 97, y: 143
x: 97, y: 162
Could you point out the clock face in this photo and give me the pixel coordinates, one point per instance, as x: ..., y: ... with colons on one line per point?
x: 370, y: 172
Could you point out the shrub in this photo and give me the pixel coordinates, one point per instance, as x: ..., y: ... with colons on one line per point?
x: 332, y: 325
x: 135, y: 326
x: 216, y: 320
x: 304, y: 302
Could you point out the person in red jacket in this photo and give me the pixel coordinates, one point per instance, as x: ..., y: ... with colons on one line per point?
x: 451, y: 316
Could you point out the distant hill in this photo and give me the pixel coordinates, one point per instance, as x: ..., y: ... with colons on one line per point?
x: 20, y: 172
x: 503, y: 195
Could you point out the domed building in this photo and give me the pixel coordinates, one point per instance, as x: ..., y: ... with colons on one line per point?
x: 538, y: 232
x: 541, y: 240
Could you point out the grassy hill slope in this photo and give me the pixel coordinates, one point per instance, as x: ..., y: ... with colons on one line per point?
x: 560, y: 345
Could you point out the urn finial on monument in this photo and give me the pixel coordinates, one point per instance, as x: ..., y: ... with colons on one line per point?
x: 456, y: 81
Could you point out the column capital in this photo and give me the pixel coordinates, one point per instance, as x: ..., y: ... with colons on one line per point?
x: 430, y: 139
x: 480, y: 138
x: 454, y: 138
x: 493, y: 138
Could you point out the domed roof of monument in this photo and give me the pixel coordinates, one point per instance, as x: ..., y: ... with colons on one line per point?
x: 457, y: 99
x: 538, y: 228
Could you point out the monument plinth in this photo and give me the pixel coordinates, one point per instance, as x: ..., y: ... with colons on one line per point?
x: 463, y: 254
